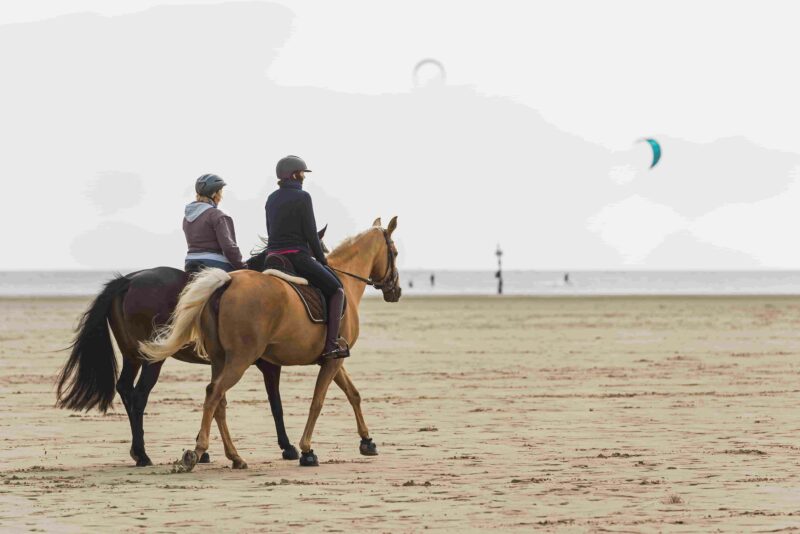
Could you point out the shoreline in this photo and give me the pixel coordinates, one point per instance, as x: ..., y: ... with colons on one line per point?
x: 481, y: 296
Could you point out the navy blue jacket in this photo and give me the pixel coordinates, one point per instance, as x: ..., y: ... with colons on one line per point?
x: 290, y: 221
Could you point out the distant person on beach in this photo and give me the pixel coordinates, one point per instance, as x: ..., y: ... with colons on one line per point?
x: 566, y: 278
x: 433, y: 280
x: 210, y: 237
x: 411, y: 284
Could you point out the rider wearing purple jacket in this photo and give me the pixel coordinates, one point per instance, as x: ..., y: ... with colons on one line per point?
x: 210, y: 236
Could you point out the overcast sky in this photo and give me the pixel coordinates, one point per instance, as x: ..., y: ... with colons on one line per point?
x: 110, y: 110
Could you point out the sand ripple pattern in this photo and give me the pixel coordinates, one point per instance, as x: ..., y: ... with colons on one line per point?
x: 574, y: 414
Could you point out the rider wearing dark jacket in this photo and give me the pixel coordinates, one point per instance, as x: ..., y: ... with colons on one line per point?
x: 292, y: 232
x: 290, y: 221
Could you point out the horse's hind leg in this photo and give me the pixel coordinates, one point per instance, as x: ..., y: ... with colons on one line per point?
x: 127, y: 392
x: 342, y: 379
x: 272, y: 380
x: 125, y: 389
x: 227, y: 441
x: 224, y: 376
x: 138, y: 398
x: 327, y: 371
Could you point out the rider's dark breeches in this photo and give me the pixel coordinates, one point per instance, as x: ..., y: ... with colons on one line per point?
x: 317, y: 274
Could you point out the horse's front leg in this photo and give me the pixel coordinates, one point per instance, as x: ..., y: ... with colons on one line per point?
x: 272, y: 380
x: 342, y: 379
x: 327, y: 371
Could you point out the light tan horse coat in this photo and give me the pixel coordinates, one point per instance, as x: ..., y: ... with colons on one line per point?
x: 260, y: 316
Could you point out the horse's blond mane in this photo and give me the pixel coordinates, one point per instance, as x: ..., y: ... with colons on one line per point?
x: 349, y: 241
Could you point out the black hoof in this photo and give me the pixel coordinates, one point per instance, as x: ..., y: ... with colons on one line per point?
x: 368, y: 447
x: 290, y: 453
x: 239, y: 464
x: 309, y: 459
x: 143, y: 461
x: 204, y: 459
x: 141, y: 458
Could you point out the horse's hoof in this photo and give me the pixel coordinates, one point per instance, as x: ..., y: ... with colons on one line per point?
x: 186, y: 463
x: 189, y: 460
x: 290, y: 453
x: 141, y: 458
x: 309, y: 459
x: 368, y: 447
x: 144, y: 462
x: 204, y: 459
x: 239, y: 464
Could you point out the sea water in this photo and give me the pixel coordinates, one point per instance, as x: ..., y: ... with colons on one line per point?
x: 418, y: 282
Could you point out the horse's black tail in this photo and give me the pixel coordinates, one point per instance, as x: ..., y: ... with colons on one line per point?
x: 89, y: 377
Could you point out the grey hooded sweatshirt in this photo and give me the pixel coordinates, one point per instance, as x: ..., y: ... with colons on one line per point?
x: 210, y: 235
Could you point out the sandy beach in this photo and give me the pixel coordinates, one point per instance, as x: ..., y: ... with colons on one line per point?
x: 575, y: 414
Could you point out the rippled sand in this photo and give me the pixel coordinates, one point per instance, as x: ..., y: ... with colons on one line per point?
x: 620, y: 414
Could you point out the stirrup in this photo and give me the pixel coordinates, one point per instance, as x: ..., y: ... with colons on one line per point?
x: 341, y: 351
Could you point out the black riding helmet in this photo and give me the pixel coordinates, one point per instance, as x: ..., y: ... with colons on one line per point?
x: 208, y: 184
x: 288, y: 166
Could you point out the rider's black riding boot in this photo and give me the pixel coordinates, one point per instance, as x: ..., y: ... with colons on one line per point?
x: 335, y: 307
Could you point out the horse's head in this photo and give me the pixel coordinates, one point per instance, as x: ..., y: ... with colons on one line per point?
x: 384, y: 268
x: 258, y: 257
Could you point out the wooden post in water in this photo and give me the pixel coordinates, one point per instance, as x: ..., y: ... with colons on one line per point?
x: 499, y: 273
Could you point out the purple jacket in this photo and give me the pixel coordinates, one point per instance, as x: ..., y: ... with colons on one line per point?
x: 209, y: 230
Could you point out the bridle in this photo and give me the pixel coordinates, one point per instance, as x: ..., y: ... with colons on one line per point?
x: 389, y: 282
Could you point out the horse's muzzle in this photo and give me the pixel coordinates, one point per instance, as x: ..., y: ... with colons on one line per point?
x: 392, y: 295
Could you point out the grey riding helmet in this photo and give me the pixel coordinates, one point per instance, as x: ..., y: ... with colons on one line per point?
x: 288, y: 166
x: 208, y: 184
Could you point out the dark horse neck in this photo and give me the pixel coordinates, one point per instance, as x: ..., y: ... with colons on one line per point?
x: 257, y: 262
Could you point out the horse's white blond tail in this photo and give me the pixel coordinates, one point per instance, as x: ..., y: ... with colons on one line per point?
x: 184, y: 324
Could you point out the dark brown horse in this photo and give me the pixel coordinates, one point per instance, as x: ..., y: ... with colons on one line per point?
x: 133, y: 306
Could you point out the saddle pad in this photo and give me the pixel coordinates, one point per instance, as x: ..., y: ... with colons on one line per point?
x: 311, y: 297
x: 313, y: 300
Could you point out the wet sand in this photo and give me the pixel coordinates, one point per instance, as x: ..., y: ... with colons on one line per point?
x: 574, y: 414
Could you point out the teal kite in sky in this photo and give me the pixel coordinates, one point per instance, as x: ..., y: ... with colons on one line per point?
x: 656, y: 150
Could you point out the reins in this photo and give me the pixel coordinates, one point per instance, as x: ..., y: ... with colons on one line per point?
x: 367, y: 281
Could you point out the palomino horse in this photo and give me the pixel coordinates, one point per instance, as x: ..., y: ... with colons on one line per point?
x: 256, y: 316
x: 133, y: 305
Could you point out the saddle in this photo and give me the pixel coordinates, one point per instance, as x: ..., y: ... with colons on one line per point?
x: 312, y: 298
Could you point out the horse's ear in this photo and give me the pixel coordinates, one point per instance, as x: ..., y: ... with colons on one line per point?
x: 321, y: 233
x: 377, y: 222
x: 392, y: 225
